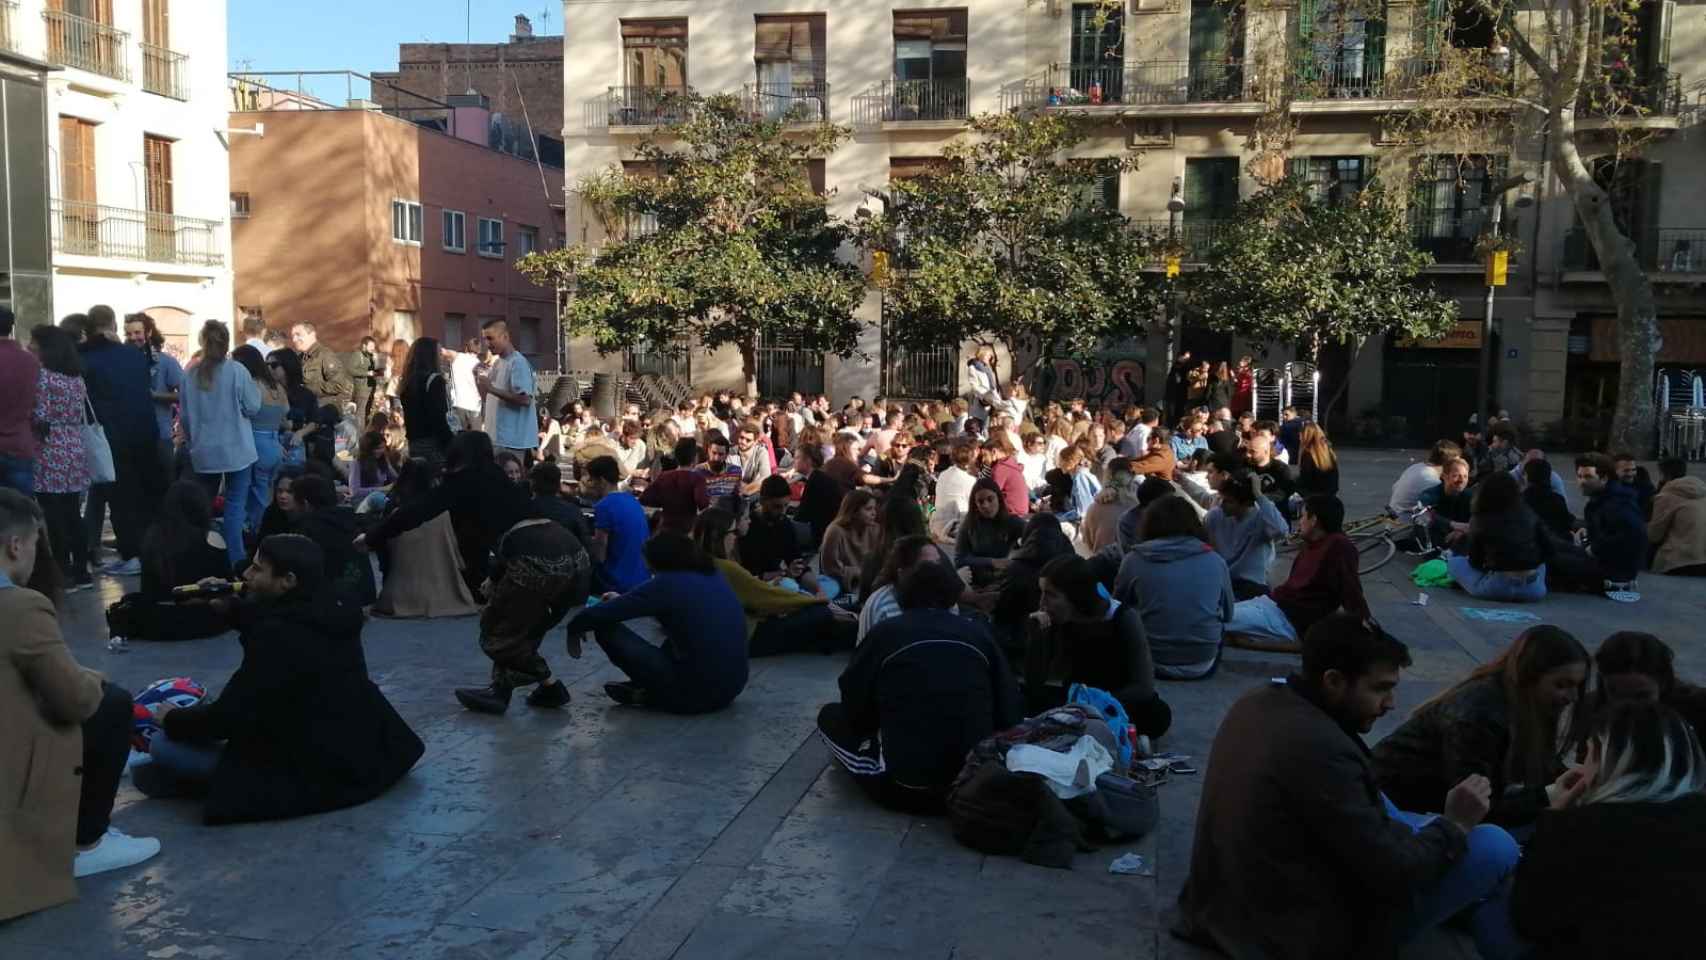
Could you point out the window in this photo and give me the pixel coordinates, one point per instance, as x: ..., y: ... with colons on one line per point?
x: 526, y: 240
x: 239, y: 206
x: 455, y: 231
x: 1100, y: 192
x: 654, y: 52
x: 1211, y: 188
x: 157, y: 173
x: 1331, y: 180
x: 1449, y: 210
x: 929, y: 65
x: 905, y: 168
x: 1098, y: 58
x: 76, y: 160
x: 491, y: 238
x: 528, y: 336
x: 405, y: 221
x: 1346, y: 50
x: 455, y: 330
x: 788, y: 51
x: 404, y: 326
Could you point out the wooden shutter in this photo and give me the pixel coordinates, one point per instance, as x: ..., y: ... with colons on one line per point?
x: 157, y: 159
x: 792, y: 38
x: 905, y: 168
x: 773, y: 39
x: 930, y: 24
x: 671, y: 30
x: 155, y: 30
x: 76, y: 160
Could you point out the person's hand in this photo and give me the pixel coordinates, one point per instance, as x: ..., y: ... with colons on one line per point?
x: 360, y: 543
x: 1580, y: 536
x: 1040, y: 620
x: 1569, y: 787
x: 842, y: 614
x: 211, y: 583
x: 1467, y: 803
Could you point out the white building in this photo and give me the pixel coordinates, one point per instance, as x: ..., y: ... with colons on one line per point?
x: 138, y: 170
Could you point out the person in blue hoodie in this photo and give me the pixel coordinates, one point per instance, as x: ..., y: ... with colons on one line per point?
x: 1181, y: 587
x: 1243, y: 528
x: 1611, y: 544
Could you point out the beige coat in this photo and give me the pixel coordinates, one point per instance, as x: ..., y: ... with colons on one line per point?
x: 425, y: 577
x: 1678, y: 527
x: 44, y: 699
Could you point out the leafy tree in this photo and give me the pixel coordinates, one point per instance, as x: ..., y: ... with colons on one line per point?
x: 1008, y: 238
x: 1287, y: 268
x: 716, y: 235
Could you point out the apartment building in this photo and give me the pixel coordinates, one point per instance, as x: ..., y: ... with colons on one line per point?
x: 136, y: 161
x: 1184, y: 82
x: 366, y: 222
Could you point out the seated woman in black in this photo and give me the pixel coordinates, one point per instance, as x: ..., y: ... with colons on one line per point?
x: 280, y: 514
x: 300, y: 728
x: 987, y: 534
x: 1080, y: 636
x: 334, y: 527
x: 1014, y: 597
x: 179, y: 549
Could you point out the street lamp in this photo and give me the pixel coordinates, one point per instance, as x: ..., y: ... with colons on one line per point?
x: 1484, y: 373
x: 1175, y: 206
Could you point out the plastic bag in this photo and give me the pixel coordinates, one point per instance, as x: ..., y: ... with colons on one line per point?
x: 1111, y: 710
x: 1434, y: 573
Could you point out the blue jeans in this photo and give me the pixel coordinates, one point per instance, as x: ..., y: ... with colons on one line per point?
x: 1491, y: 857
x: 1497, y: 584
x: 18, y: 473
x: 235, y: 486
x: 268, y: 455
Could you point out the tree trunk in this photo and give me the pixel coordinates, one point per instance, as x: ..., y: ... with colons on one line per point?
x: 749, y: 368
x: 1633, y: 426
x: 1344, y: 382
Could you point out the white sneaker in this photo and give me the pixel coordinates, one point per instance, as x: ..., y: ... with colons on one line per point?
x: 123, y: 568
x: 115, y: 851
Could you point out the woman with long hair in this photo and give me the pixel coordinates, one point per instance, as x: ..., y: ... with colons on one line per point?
x: 393, y: 369
x: 898, y: 517
x: 985, y: 393
x: 1317, y: 466
x: 180, y: 548
x: 370, y: 472
x: 987, y: 535
x: 1639, y: 667
x: 61, y: 472
x: 1221, y: 385
x: 1505, y: 554
x: 424, y: 394
x: 1016, y: 593
x: 267, y: 423
x: 302, y: 429
x: 424, y: 567
x: 1507, y: 721
x: 851, y: 537
x: 216, y: 410
x: 778, y: 620
x: 1244, y: 385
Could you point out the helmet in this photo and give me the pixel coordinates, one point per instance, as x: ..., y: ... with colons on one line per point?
x: 177, y: 691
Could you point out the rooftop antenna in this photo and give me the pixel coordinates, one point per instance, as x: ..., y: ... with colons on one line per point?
x: 468, y: 37
x: 545, y: 22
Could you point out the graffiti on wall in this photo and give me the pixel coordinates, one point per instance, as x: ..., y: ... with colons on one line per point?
x: 1113, y: 375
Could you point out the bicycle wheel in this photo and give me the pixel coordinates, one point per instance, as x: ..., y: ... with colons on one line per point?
x: 1373, y: 551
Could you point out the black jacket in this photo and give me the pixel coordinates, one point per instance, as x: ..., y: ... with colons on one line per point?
x: 426, y: 412
x: 932, y: 684
x: 305, y: 729
x: 1312, y: 480
x: 483, y: 505
x: 820, y: 500
x: 348, y: 571
x: 567, y: 515
x: 1111, y: 655
x: 1552, y: 509
x: 1513, y: 540
x: 1618, y: 880
x: 769, y: 544
x: 1617, y: 531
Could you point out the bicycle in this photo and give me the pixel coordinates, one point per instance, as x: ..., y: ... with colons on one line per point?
x: 1375, y: 537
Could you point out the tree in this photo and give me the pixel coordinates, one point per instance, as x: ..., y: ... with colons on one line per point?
x: 715, y: 235
x: 1010, y: 237
x: 1288, y: 268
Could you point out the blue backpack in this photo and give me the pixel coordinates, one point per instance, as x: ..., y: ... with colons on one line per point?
x: 1109, y: 709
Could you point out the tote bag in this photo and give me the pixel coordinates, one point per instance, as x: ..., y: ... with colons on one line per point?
x: 97, y: 453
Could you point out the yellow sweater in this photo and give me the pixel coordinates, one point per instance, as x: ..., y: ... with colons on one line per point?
x: 761, y: 600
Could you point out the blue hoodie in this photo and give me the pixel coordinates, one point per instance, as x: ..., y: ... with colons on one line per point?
x: 1617, y: 532
x: 1181, y: 588
x: 1247, y: 542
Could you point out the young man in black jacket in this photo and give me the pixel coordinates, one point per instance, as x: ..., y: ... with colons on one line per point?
x: 922, y: 689
x: 821, y: 498
x: 1611, y: 544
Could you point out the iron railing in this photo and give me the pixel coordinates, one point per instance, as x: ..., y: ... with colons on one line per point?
x: 1146, y: 83
x: 1194, y: 236
x: 919, y: 373
x: 93, y: 230
x: 785, y: 367
x: 897, y: 101
x: 8, y: 32
x: 74, y: 41
x: 1657, y: 95
x: 648, y: 359
x: 1667, y: 250
x: 638, y: 107
x: 798, y: 102
x: 1449, y: 236
x: 165, y: 72
x: 1369, y: 75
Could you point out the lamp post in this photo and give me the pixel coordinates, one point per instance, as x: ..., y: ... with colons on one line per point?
x: 1175, y: 206
x: 1484, y: 371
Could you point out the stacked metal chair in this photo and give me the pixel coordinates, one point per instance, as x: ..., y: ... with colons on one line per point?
x: 1680, y: 398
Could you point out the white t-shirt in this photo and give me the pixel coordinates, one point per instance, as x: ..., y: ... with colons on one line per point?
x: 464, y: 392
x: 1417, y: 479
x: 685, y: 426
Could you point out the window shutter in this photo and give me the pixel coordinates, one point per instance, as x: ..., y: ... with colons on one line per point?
x: 930, y: 25
x: 905, y: 168
x: 1374, y: 51
x: 773, y: 39
x: 654, y: 32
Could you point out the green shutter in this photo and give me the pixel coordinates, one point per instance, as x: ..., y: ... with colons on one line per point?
x: 1297, y: 167
x: 1304, y: 60
x: 1209, y: 37
x: 1374, y: 53
x: 1432, y: 26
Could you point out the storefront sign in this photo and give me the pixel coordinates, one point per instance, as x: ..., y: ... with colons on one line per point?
x: 1464, y: 335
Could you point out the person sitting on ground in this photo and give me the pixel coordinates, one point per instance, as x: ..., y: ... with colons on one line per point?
x: 1180, y: 588
x: 254, y: 750
x: 423, y: 567
x: 1082, y: 484
x: 1274, y: 479
x: 1151, y: 490
x: 513, y: 469
x: 1546, y: 502
x: 722, y: 472
x: 179, y: 549
x: 1317, y: 465
x: 1016, y: 592
x: 1506, y: 721
x: 1677, y: 530
x: 987, y: 534
x: 1504, y: 555
x: 921, y: 691
x: 821, y: 496
x: 1611, y: 544
x: 1636, y: 478
x: 1630, y: 828
x: 1297, y: 853
x: 1449, y: 506
x: 778, y: 619
x: 897, y: 517
x: 1135, y: 443
x: 1323, y: 579
x: 679, y: 494
x: 1101, y: 526
x: 851, y: 539
x: 1243, y: 528
x: 371, y: 471
x: 1078, y: 635
x: 883, y: 602
x: 702, y: 663
x: 953, y: 491
x: 67, y: 735
x: 770, y: 549
x: 334, y: 527
x: 1158, y: 460
x: 1420, y: 477
x: 545, y: 482
x: 1010, y: 477
x: 1032, y: 458
x: 619, y: 529
x: 1640, y: 667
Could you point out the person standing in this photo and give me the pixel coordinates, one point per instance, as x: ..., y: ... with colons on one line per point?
x: 218, y: 404
x: 425, y: 395
x: 118, y: 384
x: 323, y: 371
x: 366, y: 369
x: 165, y: 381
x: 985, y: 383
x: 266, y: 423
x: 255, y: 333
x: 61, y: 472
x: 510, y: 418
x: 19, y: 373
x: 1178, y: 385
x: 464, y: 385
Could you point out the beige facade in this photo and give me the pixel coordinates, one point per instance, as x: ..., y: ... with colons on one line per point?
x: 1184, y: 84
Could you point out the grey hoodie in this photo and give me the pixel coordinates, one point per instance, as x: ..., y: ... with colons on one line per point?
x: 1247, y: 542
x: 1182, y: 590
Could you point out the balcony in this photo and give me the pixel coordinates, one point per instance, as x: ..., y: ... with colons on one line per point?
x: 85, y: 44
x: 165, y: 72
x: 1352, y: 81
x: 638, y: 108
x: 1654, y: 101
x: 1146, y: 84
x: 799, y: 102
x: 8, y: 29
x: 1449, y: 237
x: 91, y: 230
x: 1668, y: 254
x: 913, y: 101
x: 1196, y: 236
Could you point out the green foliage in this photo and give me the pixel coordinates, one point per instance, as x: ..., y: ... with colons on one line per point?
x: 1288, y: 269
x: 743, y: 246
x: 1005, y: 240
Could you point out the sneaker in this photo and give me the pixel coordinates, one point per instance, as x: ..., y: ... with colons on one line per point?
x: 489, y: 699
x: 552, y: 694
x: 115, y: 851
x: 124, y: 568
x: 626, y: 694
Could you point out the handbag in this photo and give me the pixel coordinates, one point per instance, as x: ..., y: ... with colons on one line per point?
x: 97, y: 453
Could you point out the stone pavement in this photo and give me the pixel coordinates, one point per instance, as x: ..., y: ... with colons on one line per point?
x: 600, y: 831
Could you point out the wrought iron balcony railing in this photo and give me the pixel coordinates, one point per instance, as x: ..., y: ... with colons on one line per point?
x: 897, y: 101
x: 165, y: 72
x: 1369, y: 75
x: 92, y: 230
x: 85, y: 44
x: 1146, y: 83
x: 1666, y: 250
x: 1450, y: 237
x: 804, y: 101
x: 646, y: 106
x: 1194, y: 236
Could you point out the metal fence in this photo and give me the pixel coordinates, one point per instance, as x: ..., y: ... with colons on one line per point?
x: 797, y: 102
x: 165, y: 72
x: 74, y: 41
x: 1195, y: 236
x: 1449, y: 237
x: 93, y: 230
x: 637, y: 107
x: 1667, y: 250
x: 785, y: 366
x: 664, y: 363
x: 928, y: 372
x: 896, y: 101
x: 1147, y: 82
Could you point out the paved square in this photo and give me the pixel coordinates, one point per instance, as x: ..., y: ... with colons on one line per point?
x: 599, y: 831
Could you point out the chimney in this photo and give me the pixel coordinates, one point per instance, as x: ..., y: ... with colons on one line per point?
x: 523, y: 27
x: 470, y: 117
